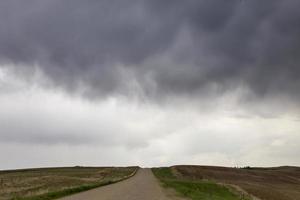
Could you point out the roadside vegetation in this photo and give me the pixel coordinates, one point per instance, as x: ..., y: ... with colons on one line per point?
x: 53, y: 183
x: 196, y: 189
x: 275, y: 183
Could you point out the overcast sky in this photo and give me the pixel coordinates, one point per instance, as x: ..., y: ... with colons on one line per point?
x: 149, y: 82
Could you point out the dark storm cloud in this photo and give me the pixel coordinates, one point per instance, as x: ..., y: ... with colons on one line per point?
x: 210, y: 45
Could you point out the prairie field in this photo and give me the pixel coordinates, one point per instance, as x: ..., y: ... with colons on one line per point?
x: 278, y: 183
x: 196, y: 189
x: 49, y: 183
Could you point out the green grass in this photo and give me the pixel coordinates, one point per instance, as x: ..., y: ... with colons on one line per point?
x: 53, y: 183
x: 163, y: 173
x: 200, y: 190
x: 65, y: 192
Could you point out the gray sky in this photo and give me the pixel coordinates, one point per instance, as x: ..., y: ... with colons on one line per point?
x: 150, y: 83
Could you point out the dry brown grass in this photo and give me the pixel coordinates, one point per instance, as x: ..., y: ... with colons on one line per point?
x: 32, y: 182
x: 280, y: 183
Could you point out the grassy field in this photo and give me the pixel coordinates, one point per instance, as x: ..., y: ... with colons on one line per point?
x: 51, y: 183
x: 195, y: 189
x: 279, y: 183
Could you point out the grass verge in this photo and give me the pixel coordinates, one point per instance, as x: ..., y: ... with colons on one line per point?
x: 195, y: 190
x: 62, y: 193
x: 70, y: 191
x: 53, y: 183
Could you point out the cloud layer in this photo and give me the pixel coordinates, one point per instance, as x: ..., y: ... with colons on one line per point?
x: 42, y: 127
x: 149, y: 82
x: 165, y: 48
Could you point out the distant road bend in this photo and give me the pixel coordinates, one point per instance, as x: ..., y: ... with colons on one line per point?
x: 143, y: 185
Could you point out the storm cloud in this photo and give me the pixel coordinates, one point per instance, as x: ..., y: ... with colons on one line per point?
x: 165, y: 48
x: 149, y: 82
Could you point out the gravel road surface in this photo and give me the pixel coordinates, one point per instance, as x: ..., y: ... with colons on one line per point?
x: 142, y: 186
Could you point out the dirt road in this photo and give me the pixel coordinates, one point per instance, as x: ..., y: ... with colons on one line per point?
x: 142, y: 186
